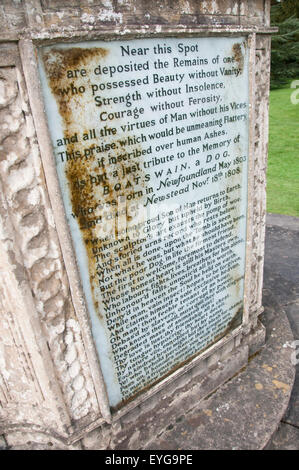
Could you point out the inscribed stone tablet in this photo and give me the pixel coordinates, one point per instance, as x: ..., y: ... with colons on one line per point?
x: 151, y: 145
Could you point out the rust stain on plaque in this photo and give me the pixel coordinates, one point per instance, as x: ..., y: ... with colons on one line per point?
x: 101, y: 183
x: 97, y: 185
x: 238, y: 56
x: 58, y: 61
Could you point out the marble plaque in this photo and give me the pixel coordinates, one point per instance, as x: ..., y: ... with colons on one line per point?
x: 150, y: 138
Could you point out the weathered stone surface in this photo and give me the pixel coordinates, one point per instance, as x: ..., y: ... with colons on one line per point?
x: 286, y: 438
x: 2, y: 443
x: 281, y: 280
x: 292, y: 414
x: 262, y: 70
x: 45, y: 17
x: 34, y: 252
x: 30, y: 440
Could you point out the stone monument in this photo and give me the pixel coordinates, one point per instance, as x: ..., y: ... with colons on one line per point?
x: 133, y: 156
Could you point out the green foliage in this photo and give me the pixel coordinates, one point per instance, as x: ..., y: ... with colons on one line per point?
x: 285, y: 44
x: 284, y: 9
x: 283, y: 168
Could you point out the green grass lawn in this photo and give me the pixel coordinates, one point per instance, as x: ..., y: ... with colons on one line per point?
x: 283, y: 159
